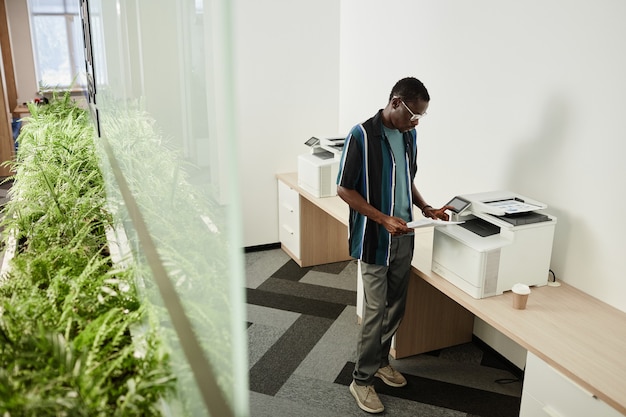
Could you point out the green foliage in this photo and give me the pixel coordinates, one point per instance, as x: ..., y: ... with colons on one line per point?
x: 69, y: 344
x: 175, y: 200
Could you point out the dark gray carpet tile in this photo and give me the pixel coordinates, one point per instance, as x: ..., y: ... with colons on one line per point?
x: 314, y: 292
x: 460, y: 373
x: 482, y: 354
x: 465, y: 353
x: 493, y: 359
x: 291, y: 271
x: 275, y: 367
x: 333, y: 268
x: 443, y: 394
x: 296, y: 304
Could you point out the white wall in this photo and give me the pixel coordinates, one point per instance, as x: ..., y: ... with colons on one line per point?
x: 287, y: 81
x: 525, y: 96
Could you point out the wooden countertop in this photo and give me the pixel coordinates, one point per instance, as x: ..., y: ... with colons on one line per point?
x: 578, y: 335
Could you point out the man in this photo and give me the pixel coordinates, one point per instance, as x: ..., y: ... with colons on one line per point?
x: 376, y: 174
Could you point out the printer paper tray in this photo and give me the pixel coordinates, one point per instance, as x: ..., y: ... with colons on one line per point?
x: 478, y: 243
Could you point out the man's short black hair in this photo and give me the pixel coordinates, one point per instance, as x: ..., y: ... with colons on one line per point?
x: 410, y: 89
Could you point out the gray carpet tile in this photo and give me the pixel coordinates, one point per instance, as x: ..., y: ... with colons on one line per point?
x: 302, y: 344
x: 399, y: 407
x: 313, y: 292
x: 271, y: 371
x: 271, y: 317
x: 268, y: 325
x: 325, y: 396
x: 346, y: 280
x: 262, y: 405
x: 261, y: 265
x: 260, y: 339
x: 333, y: 350
x: 335, y: 400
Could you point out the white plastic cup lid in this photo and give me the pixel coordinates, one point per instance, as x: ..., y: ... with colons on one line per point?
x: 522, y: 289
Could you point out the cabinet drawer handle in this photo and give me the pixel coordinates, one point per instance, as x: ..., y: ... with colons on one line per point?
x: 551, y: 412
x: 288, y: 229
x: 288, y: 207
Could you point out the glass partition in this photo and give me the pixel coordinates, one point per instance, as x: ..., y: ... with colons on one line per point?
x: 160, y: 94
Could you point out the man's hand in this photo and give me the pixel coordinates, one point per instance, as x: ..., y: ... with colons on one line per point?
x: 395, y: 226
x: 440, y: 213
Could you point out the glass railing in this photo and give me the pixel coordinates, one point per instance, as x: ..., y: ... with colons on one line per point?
x: 160, y: 95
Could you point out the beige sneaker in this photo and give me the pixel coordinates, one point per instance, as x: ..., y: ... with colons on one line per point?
x: 391, y: 377
x: 366, y: 398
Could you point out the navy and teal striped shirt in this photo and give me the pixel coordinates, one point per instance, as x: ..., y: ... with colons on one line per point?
x: 367, y: 166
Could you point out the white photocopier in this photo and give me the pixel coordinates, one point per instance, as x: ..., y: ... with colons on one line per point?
x: 503, y: 239
x: 318, y: 169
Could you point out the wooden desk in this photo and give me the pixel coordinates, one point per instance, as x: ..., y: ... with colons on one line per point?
x: 576, y: 334
x: 319, y: 230
x: 334, y: 206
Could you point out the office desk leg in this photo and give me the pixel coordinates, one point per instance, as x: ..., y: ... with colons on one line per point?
x: 432, y: 321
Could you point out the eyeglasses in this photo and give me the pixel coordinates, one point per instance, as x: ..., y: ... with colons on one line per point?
x: 414, y: 116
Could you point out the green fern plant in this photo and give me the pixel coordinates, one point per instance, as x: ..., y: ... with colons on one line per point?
x: 174, y: 210
x: 67, y: 313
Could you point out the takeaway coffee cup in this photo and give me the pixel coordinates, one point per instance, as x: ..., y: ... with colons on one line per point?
x: 520, y: 296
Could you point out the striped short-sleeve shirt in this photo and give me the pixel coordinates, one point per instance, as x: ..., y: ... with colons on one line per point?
x: 367, y: 165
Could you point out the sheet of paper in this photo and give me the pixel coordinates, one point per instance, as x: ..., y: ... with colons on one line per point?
x: 429, y: 222
x: 513, y: 206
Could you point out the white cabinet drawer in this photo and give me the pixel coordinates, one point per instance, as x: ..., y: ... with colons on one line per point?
x: 531, y: 407
x: 548, y: 393
x: 288, y: 202
x: 289, y: 218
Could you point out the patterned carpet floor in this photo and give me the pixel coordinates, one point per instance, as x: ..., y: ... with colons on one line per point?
x: 302, y: 331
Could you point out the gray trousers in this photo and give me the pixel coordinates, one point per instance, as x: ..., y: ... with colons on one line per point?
x: 384, y: 290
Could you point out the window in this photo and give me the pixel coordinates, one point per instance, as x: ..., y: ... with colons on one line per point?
x: 57, y: 43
